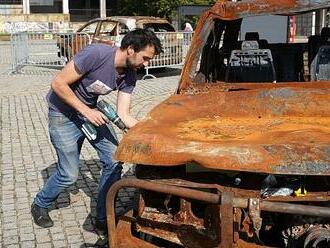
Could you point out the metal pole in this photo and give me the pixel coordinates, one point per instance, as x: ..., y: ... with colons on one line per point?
x: 179, y: 17
x: 313, y: 22
x: 65, y: 6
x: 324, y: 17
x: 103, y: 9
x: 226, y: 221
x: 13, y: 52
x: 297, y: 209
x: 26, y: 7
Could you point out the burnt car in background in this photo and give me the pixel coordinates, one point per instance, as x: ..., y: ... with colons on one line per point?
x: 240, y: 155
x: 110, y: 30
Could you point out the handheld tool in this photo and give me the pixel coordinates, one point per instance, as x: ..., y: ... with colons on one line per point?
x: 89, y: 129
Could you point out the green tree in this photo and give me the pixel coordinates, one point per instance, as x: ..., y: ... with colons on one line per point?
x: 161, y: 8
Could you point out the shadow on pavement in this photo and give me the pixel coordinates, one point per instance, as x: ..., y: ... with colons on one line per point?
x: 100, y: 243
x: 88, y: 183
x: 121, y: 209
x: 85, y: 183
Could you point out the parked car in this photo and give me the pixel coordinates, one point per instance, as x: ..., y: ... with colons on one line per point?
x: 239, y: 156
x: 110, y: 30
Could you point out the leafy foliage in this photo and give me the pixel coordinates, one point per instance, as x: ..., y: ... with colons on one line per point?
x: 161, y: 8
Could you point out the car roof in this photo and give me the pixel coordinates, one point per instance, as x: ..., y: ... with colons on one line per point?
x: 138, y: 18
x: 129, y: 20
x: 126, y: 18
x: 228, y: 10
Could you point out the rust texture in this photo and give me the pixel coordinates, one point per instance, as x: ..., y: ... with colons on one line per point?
x: 160, y: 225
x: 248, y: 192
x: 228, y: 10
x: 278, y: 128
x: 226, y: 233
x: 271, y: 128
x: 262, y: 128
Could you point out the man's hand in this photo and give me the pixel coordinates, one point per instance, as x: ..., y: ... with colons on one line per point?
x: 95, y: 117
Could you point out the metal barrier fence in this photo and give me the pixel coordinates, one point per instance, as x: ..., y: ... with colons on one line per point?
x: 5, y: 55
x: 19, y: 51
x: 175, y: 46
x: 52, y: 50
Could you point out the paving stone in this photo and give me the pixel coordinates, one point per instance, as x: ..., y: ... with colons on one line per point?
x: 9, y: 225
x: 58, y: 236
x: 60, y: 243
x: 27, y: 237
x: 27, y: 244
x: 25, y: 223
x: 10, y: 233
x: 6, y: 207
x: 24, y: 216
x: 71, y: 231
x: 69, y: 223
x: 42, y: 238
x: 45, y: 245
x: 10, y: 240
x: 10, y: 213
x: 74, y: 239
x: 28, y: 158
x: 10, y: 219
x: 13, y: 246
x: 25, y: 230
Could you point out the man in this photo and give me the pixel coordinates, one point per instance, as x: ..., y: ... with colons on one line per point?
x: 97, y: 70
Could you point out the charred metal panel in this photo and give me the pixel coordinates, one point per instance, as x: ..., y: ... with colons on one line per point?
x: 264, y: 128
x: 228, y: 10
x: 218, y: 218
x: 281, y: 128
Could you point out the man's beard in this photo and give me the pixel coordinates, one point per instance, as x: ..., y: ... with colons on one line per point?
x: 131, y: 65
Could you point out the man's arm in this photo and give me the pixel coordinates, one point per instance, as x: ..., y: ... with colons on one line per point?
x: 61, y: 86
x: 123, y: 109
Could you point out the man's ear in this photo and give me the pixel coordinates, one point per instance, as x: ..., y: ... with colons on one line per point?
x: 130, y: 50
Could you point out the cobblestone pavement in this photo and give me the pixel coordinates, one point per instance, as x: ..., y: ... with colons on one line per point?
x: 27, y: 159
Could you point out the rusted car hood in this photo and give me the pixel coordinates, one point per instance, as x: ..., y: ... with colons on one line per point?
x: 271, y: 128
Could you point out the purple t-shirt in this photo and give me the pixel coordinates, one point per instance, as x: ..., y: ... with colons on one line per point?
x: 100, y: 77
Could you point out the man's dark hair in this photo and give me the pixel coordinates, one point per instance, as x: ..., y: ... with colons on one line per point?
x: 139, y: 38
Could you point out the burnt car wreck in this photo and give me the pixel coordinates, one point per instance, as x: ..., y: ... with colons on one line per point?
x: 240, y: 155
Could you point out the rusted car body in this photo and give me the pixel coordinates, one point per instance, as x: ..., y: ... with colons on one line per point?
x: 104, y: 30
x: 240, y: 155
x: 110, y: 30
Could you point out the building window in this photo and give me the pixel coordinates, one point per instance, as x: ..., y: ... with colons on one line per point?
x: 46, y: 6
x: 10, y: 1
x: 81, y: 11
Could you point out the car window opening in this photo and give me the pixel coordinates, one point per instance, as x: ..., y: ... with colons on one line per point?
x: 225, y: 58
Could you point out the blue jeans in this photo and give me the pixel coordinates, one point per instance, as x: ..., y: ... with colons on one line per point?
x: 67, y: 138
